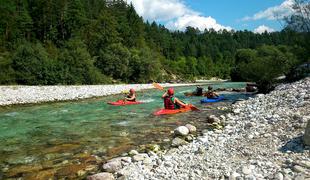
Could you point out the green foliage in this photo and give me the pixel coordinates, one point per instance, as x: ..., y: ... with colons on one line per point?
x: 114, y: 61
x: 145, y: 66
x: 264, y: 64
x: 7, y: 75
x: 91, y: 42
x: 78, y: 65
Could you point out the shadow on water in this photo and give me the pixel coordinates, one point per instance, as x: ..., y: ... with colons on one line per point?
x: 294, y: 145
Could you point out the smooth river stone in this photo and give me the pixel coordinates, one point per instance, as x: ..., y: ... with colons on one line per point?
x: 101, y: 176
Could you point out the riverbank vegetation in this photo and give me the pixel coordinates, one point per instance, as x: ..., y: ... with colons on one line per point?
x: 96, y: 42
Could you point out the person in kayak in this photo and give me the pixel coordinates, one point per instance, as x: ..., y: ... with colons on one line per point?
x: 131, y: 96
x: 199, y: 91
x: 211, y: 94
x: 171, y: 102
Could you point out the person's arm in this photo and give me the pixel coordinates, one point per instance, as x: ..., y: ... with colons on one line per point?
x: 164, y: 95
x: 132, y: 98
x: 176, y: 100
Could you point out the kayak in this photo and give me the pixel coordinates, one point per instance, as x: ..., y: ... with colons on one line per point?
x: 212, y: 100
x: 173, y: 111
x: 124, y: 103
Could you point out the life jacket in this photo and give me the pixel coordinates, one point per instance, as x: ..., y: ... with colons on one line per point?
x: 199, y: 91
x: 210, y: 94
x: 128, y: 96
x: 168, y: 102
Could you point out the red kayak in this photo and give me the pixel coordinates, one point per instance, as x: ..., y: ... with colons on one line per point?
x: 175, y: 111
x: 124, y: 103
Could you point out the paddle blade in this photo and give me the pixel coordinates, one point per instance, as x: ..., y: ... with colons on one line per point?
x: 194, y: 108
x: 156, y: 85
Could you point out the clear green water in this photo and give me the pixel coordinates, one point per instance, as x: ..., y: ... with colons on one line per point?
x: 39, y: 133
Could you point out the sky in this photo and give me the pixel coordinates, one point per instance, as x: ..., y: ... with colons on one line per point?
x: 254, y: 15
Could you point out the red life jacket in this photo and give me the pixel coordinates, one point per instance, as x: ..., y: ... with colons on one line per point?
x: 168, y: 103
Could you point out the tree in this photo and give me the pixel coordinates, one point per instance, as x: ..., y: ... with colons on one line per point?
x: 265, y: 64
x: 300, y: 20
x: 114, y: 61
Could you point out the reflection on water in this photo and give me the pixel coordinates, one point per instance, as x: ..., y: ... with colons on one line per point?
x: 62, y: 136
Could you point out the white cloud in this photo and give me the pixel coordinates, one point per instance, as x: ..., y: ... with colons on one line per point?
x: 274, y: 13
x: 160, y: 10
x: 175, y: 14
x: 197, y: 21
x: 261, y: 29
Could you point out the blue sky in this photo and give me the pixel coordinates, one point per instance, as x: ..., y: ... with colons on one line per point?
x: 253, y: 15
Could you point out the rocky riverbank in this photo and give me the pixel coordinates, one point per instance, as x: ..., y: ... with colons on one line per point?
x: 262, y: 139
x: 10, y: 95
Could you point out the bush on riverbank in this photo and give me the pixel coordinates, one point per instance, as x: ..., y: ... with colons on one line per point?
x: 264, y: 64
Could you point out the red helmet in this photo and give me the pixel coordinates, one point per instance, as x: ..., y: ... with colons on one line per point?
x: 132, y: 91
x: 170, y: 91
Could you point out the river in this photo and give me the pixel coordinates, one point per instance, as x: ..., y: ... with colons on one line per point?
x: 59, y: 139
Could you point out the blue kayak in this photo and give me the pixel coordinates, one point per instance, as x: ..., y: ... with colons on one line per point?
x: 212, y: 100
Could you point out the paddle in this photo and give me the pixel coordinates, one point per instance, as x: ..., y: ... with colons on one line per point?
x: 157, y: 86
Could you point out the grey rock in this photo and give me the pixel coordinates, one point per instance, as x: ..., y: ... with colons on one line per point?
x: 133, y: 152
x: 306, y: 137
x: 101, y: 176
x: 140, y: 157
x: 192, y: 129
x: 112, y: 166
x: 234, y: 176
x: 181, y: 130
x: 246, y: 170
x: 298, y: 168
x: 213, y: 119
x: 279, y: 176
x: 147, y: 161
x: 178, y: 142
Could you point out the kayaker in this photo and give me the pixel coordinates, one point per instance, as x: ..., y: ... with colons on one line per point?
x: 211, y: 94
x: 199, y: 91
x: 171, y: 102
x: 131, y: 96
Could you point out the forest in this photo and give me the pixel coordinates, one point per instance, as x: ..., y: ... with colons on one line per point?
x: 99, y: 41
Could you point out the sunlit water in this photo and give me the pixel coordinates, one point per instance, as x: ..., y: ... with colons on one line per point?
x: 58, y: 132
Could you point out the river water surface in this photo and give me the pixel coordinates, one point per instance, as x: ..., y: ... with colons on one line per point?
x: 60, y: 139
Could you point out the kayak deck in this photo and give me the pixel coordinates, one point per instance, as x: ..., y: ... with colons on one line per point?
x: 211, y: 100
x: 124, y: 103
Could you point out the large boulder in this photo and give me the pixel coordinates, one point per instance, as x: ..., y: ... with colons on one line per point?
x: 101, y: 176
x: 306, y: 137
x: 181, y: 130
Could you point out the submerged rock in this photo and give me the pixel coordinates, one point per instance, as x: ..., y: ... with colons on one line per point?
x: 181, y: 130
